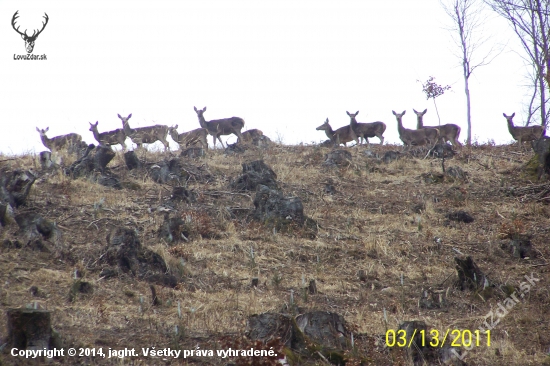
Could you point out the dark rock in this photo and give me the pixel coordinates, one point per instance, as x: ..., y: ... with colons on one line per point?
x: 271, y: 205
x: 169, y: 171
x: 461, y: 216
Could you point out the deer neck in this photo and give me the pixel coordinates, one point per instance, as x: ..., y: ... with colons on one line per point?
x: 419, y: 122
x: 46, y: 141
x: 353, y: 122
x: 202, y: 121
x: 511, y: 127
x: 400, y: 128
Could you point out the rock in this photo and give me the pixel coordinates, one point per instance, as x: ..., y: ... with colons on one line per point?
x: 271, y: 205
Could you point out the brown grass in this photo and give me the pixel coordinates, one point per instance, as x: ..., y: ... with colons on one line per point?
x: 383, y: 220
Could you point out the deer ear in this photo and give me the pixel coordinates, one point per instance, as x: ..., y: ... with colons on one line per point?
x: 176, y: 127
x: 348, y: 113
x: 37, y: 129
x: 204, y: 109
x: 356, y: 113
x: 23, y: 36
x: 425, y: 110
x: 404, y: 112
x: 119, y: 116
x: 513, y: 114
x: 504, y: 114
x: 130, y: 115
x: 195, y: 108
x: 393, y: 113
x: 47, y: 128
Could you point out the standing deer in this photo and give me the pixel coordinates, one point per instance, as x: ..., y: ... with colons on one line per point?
x: 342, y: 135
x: 145, y: 135
x: 411, y: 137
x: 219, y: 127
x: 189, y: 138
x: 109, y: 138
x: 366, y: 130
x: 448, y: 132
x: 521, y: 134
x: 59, y: 142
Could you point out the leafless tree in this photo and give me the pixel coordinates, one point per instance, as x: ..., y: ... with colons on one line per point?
x: 467, y: 32
x: 530, y: 21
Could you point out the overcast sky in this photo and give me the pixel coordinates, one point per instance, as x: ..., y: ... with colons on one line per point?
x: 284, y: 66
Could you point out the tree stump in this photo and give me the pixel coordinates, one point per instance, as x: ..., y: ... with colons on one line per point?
x: 469, y: 275
x: 131, y: 160
x: 103, y: 155
x: 46, y: 160
x: 29, y: 328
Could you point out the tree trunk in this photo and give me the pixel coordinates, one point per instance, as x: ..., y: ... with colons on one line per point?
x: 29, y: 329
x: 468, y: 110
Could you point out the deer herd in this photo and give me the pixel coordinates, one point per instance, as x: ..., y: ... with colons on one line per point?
x: 355, y: 131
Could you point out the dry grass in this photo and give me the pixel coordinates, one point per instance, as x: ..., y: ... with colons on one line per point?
x: 383, y: 220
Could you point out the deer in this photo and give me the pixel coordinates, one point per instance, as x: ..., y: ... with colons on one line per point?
x: 145, y: 135
x: 29, y: 40
x: 343, y: 135
x: 250, y: 135
x: 366, y: 130
x: 59, y: 142
x: 522, y: 134
x: 219, y: 127
x: 109, y: 138
x: 448, y: 132
x: 412, y: 137
x: 189, y: 138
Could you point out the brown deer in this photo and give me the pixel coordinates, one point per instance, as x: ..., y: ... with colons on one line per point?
x: 59, y: 142
x: 448, y: 132
x: 189, y: 138
x: 109, y: 138
x: 219, y: 127
x: 366, y: 130
x: 412, y: 137
x: 145, y: 135
x: 521, y: 134
x: 250, y: 135
x: 342, y: 135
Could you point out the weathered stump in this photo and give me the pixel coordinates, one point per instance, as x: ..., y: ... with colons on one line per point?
x: 271, y: 205
x: 469, y: 275
x: 15, y: 186
x: 35, y: 227
x: 182, y: 194
x: 29, y: 328
x: 103, y: 156
x: 461, y: 216
x: 338, y: 157
x: 390, y: 156
x: 131, y: 160
x: 520, y: 247
x: 168, y: 172
x: 46, y: 160
x: 254, y: 174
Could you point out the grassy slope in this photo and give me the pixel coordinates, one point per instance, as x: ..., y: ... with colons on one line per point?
x: 370, y: 224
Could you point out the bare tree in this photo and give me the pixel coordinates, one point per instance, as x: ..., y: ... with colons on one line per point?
x: 467, y: 32
x: 530, y: 21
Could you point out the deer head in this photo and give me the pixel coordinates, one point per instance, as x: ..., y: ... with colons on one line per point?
x: 29, y: 40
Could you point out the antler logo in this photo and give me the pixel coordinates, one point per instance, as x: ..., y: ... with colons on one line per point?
x: 29, y: 40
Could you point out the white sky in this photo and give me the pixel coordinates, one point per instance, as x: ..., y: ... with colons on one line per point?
x: 282, y: 65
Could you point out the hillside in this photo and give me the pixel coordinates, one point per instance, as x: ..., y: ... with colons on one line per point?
x: 386, y: 234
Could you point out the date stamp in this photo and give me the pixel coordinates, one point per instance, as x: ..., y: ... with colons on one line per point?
x: 435, y: 338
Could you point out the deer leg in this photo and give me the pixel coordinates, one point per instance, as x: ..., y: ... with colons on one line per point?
x: 221, y: 142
